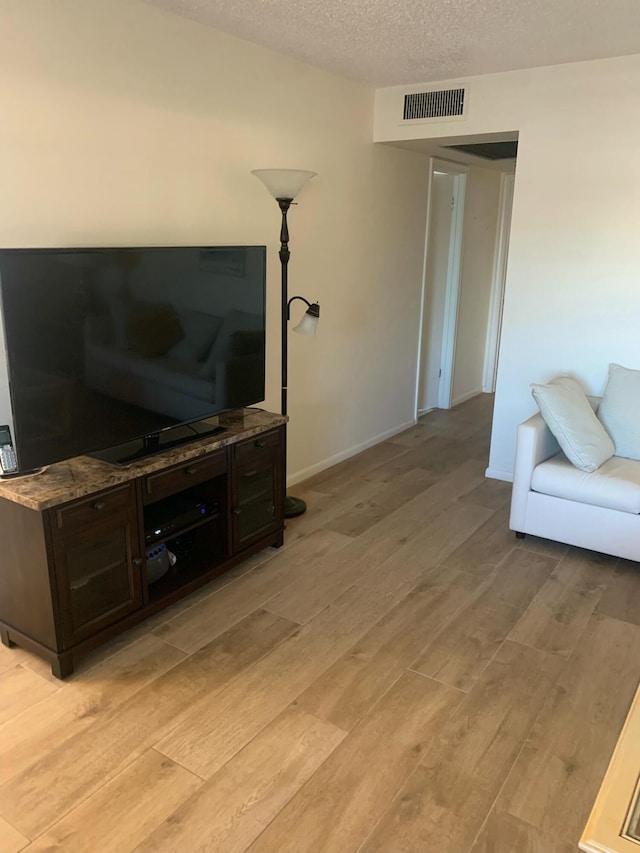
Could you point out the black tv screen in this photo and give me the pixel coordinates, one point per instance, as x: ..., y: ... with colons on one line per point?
x: 109, y: 345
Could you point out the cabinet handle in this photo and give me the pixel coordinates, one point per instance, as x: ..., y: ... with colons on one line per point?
x: 191, y: 471
x: 237, y: 511
x: 250, y: 474
x: 260, y: 443
x: 99, y: 505
x: 137, y: 561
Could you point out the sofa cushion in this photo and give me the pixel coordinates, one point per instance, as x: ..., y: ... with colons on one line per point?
x: 615, y: 485
x: 163, y: 372
x: 570, y: 417
x: 619, y: 410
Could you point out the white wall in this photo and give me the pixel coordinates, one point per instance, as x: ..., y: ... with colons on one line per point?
x: 481, y: 201
x: 124, y: 125
x: 572, y: 299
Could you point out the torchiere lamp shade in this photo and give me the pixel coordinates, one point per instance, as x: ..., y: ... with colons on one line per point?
x: 283, y: 183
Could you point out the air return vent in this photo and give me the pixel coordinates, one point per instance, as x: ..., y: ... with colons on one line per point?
x: 444, y: 102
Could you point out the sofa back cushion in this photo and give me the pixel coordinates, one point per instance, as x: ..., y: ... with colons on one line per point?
x: 200, y: 332
x: 619, y: 410
x: 570, y: 417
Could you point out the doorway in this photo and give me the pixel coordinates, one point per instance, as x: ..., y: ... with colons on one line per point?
x: 442, y: 269
x: 494, y: 328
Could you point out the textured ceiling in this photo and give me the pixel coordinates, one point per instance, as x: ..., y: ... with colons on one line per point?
x: 389, y: 42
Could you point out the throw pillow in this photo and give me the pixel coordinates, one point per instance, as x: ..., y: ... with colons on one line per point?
x: 619, y: 410
x: 568, y: 414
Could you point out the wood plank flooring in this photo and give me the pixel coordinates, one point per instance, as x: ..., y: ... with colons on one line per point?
x: 404, y: 676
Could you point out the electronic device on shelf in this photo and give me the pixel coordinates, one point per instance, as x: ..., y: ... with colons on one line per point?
x: 122, y: 352
x: 175, y: 514
x: 8, y: 461
x: 158, y: 561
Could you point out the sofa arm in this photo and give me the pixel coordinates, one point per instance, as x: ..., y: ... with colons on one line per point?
x: 535, y: 443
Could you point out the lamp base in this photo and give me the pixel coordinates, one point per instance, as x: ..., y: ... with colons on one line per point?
x: 293, y: 506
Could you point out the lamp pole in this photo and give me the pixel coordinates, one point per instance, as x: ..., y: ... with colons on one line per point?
x: 292, y: 506
x: 285, y: 254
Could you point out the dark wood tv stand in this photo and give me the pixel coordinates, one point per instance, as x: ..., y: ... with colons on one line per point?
x: 75, y: 537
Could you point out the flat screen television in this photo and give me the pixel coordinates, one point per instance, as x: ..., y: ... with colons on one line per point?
x: 117, y: 352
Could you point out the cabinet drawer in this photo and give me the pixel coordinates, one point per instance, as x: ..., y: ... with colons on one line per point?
x: 254, y: 450
x: 93, y: 509
x: 164, y: 483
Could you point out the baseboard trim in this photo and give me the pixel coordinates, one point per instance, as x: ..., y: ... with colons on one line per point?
x: 464, y: 397
x: 305, y: 473
x: 495, y: 474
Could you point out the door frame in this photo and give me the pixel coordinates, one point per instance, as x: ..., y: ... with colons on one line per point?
x: 454, y: 274
x: 494, y: 325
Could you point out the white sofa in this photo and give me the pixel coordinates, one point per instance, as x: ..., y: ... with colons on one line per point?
x: 553, y: 499
x: 170, y: 384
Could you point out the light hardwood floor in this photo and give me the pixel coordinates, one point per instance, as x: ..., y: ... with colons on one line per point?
x: 404, y: 676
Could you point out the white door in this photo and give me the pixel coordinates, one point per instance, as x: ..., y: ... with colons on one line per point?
x: 441, y: 286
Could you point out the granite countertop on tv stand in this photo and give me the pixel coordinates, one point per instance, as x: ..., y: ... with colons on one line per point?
x: 66, y: 481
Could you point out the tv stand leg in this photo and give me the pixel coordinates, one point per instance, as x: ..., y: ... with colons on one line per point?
x: 278, y: 542
x: 62, y: 665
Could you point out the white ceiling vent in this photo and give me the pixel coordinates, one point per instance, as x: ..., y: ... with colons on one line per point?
x: 441, y: 103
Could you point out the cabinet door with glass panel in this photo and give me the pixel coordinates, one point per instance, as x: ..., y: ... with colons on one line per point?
x: 257, y: 488
x: 98, y: 561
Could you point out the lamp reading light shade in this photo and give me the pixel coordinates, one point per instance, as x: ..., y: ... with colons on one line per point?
x: 309, y: 323
x: 283, y: 183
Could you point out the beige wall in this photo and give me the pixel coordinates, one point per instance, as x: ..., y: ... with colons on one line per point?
x: 572, y: 297
x: 482, y: 196
x: 124, y: 125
